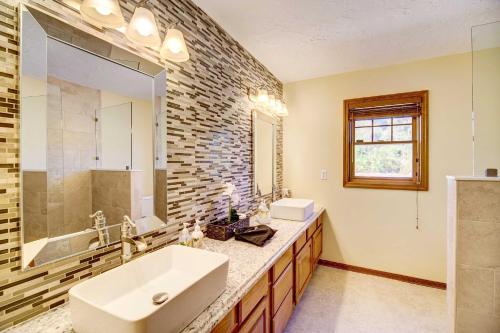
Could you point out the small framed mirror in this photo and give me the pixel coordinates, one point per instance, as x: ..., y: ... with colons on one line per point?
x: 92, y: 140
x: 264, y: 153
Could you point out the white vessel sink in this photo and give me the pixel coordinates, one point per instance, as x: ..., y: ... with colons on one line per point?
x: 120, y: 300
x: 292, y: 209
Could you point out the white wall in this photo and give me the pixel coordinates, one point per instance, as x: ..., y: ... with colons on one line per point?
x: 142, y: 129
x: 33, y: 124
x: 376, y: 228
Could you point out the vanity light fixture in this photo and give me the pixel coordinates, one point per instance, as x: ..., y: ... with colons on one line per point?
x: 174, y: 47
x: 103, y: 13
x: 142, y: 28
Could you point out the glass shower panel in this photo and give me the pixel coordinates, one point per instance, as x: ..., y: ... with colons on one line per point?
x: 486, y: 97
x: 114, y: 133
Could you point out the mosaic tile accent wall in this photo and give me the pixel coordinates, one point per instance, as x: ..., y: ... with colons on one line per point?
x: 209, y: 141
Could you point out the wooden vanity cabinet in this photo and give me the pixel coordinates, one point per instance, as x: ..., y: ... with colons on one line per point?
x: 268, y: 306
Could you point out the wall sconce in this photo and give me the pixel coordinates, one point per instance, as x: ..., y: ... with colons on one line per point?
x: 142, y: 28
x: 102, y: 13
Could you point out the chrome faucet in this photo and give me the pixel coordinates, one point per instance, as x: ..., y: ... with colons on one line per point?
x: 127, y: 240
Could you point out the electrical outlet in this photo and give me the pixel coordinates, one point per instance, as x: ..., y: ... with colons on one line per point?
x: 323, y: 175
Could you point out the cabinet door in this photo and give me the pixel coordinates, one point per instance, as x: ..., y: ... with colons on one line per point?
x: 317, y: 245
x: 258, y: 321
x: 303, y: 269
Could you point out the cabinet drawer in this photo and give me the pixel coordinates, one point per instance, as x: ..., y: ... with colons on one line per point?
x: 281, y: 288
x: 299, y: 243
x: 253, y: 297
x: 282, y: 264
x: 228, y: 324
x: 311, y: 229
x: 283, y: 315
x: 258, y: 321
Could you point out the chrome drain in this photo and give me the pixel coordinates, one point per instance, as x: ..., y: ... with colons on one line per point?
x: 160, y: 298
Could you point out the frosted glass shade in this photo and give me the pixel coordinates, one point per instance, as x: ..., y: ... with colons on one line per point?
x: 283, y: 110
x: 174, y: 47
x: 142, y: 28
x: 262, y: 97
x: 105, y: 13
x: 271, y: 104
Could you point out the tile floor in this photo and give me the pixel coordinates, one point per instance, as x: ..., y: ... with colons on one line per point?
x: 347, y: 302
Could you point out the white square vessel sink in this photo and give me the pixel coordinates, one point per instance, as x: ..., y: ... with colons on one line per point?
x: 120, y: 300
x: 292, y: 209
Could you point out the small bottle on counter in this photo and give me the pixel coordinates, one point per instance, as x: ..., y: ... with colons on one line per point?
x: 184, y: 237
x: 263, y: 213
x: 197, y: 235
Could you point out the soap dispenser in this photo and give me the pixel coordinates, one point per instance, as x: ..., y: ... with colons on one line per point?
x: 185, y: 237
x: 263, y: 213
x: 197, y: 235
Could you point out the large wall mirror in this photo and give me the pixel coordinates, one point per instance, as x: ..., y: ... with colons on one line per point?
x: 93, y: 138
x: 264, y: 159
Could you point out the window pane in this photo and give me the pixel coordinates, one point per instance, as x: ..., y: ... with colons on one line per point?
x: 400, y: 121
x: 386, y: 160
x: 381, y: 121
x: 402, y: 133
x: 363, y: 134
x: 363, y: 123
x: 382, y: 133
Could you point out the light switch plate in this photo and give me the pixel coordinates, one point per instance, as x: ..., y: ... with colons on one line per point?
x: 323, y: 174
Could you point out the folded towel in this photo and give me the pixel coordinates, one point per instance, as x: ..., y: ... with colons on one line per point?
x: 257, y: 235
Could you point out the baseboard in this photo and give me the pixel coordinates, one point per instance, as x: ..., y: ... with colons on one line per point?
x: 393, y: 276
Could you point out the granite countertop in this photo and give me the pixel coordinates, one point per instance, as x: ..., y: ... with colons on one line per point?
x: 247, y: 263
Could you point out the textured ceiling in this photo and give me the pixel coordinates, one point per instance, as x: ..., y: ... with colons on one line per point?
x: 301, y: 39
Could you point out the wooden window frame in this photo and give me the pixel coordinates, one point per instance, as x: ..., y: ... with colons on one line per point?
x: 420, y: 133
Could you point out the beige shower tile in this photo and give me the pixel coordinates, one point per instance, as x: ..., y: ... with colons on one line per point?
x: 475, y: 288
x: 478, y: 201
x: 478, y: 244
x: 471, y: 322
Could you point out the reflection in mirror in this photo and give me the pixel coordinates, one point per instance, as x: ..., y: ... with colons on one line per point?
x: 486, y: 98
x: 264, y: 132
x: 88, y: 140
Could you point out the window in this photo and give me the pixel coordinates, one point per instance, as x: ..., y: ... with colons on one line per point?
x: 385, y: 142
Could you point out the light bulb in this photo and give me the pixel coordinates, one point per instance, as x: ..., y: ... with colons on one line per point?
x: 272, y: 102
x: 103, y: 10
x: 174, y: 45
x: 262, y: 96
x: 144, y: 27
